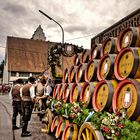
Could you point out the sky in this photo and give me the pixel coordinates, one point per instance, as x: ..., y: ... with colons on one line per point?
x: 80, y: 19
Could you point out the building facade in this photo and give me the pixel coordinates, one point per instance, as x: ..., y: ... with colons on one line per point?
x: 29, y: 57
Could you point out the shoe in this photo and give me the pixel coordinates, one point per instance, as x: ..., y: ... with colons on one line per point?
x: 28, y: 132
x: 15, y: 127
x: 25, y: 134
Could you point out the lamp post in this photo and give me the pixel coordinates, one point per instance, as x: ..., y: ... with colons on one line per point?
x: 61, y: 29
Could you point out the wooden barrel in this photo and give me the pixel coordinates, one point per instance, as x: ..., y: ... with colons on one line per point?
x: 70, y: 132
x: 65, y: 76
x: 72, y: 74
x: 87, y: 93
x: 77, y: 59
x: 60, y: 128
x: 75, y: 92
x: 127, y: 64
x: 60, y: 91
x: 66, y: 93
x: 85, y: 56
x: 47, y: 121
x: 89, y: 132
x: 95, y: 52
x: 55, y: 91
x: 80, y: 73
x: 105, y: 68
x: 91, y: 70
x: 102, y: 96
x: 55, y: 123
x: 109, y: 46
x: 127, y: 95
x: 130, y: 37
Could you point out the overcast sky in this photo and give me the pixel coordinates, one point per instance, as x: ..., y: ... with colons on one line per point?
x: 79, y: 18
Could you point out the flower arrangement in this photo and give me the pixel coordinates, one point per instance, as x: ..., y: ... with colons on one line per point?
x: 116, y: 126
x: 78, y: 113
x: 75, y: 112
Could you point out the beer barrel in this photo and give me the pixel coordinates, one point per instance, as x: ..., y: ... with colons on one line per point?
x: 127, y: 95
x: 70, y: 132
x: 91, y: 70
x: 60, y: 91
x: 72, y: 73
x: 60, y: 128
x: 130, y: 37
x: 55, y: 91
x: 47, y: 121
x: 85, y: 56
x: 87, y: 93
x: 105, y: 68
x: 75, y: 92
x: 89, y: 132
x: 102, y: 96
x: 77, y: 59
x: 80, y: 72
x: 127, y: 64
x: 109, y: 46
x: 55, y: 123
x: 65, y: 76
x: 66, y: 93
x: 95, y: 52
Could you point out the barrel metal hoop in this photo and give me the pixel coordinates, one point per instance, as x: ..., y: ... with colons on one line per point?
x: 136, y: 62
x: 134, y: 38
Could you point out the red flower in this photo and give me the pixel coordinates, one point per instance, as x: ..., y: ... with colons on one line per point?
x: 118, y: 113
x: 73, y: 115
x: 120, y: 125
x: 117, y: 133
x: 105, y: 129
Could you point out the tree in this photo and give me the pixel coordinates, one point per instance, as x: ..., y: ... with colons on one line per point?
x: 1, y: 68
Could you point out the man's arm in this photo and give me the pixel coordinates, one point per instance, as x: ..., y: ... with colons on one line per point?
x: 10, y: 94
x: 47, y: 92
x: 32, y: 93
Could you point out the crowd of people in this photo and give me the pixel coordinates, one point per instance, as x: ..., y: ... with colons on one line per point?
x: 24, y: 98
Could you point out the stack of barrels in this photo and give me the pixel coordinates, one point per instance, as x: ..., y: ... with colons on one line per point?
x: 105, y: 78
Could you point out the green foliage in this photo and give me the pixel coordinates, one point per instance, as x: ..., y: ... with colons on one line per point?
x: 131, y: 130
x: 81, y: 116
x: 75, y: 112
x: 116, y: 126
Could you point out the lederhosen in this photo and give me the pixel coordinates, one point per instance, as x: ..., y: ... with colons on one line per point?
x: 15, y: 92
x: 27, y: 105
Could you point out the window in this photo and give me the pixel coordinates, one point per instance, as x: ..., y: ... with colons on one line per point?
x: 35, y: 74
x: 13, y: 73
x: 23, y: 74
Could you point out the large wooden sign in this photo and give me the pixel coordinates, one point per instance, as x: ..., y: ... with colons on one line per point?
x: 132, y: 20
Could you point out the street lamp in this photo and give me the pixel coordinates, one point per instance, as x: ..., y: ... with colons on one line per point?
x: 59, y: 26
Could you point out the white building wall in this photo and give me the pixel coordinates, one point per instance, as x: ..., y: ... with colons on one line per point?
x: 5, y: 73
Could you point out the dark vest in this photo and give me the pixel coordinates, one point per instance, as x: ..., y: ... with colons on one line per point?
x: 16, y: 93
x: 26, y: 92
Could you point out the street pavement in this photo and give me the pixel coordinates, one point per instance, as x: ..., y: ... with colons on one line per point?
x: 6, y: 132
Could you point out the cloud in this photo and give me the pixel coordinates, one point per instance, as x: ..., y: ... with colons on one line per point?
x: 77, y: 17
x: 13, y: 9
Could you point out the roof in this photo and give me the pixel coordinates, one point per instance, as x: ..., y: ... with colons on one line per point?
x: 26, y: 55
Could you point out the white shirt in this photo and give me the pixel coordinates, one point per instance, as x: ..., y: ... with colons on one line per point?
x: 47, y: 90
x: 32, y: 91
